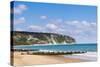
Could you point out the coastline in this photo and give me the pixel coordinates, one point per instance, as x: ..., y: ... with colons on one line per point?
x: 25, y: 60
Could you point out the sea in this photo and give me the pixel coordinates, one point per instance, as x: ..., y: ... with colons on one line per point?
x: 90, y: 55
x: 61, y: 47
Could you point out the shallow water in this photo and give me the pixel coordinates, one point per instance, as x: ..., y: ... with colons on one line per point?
x: 61, y: 47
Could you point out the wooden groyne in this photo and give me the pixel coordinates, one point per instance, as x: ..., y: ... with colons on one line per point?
x: 46, y: 52
x: 55, y: 52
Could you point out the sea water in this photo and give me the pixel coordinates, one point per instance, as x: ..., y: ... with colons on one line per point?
x: 61, y: 47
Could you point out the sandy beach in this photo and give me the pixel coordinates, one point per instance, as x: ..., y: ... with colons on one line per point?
x: 24, y: 60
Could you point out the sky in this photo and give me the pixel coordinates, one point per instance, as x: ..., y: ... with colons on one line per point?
x: 78, y: 21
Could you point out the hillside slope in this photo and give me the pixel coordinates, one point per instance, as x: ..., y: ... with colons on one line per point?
x: 29, y: 38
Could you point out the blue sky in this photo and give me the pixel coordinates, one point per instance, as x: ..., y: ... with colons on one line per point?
x: 77, y: 21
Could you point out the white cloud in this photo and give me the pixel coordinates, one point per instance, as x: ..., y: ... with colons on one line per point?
x: 94, y: 24
x: 19, y: 20
x: 82, y: 27
x: 52, y: 26
x: 19, y: 29
x: 36, y: 28
x: 19, y: 9
x: 22, y: 7
x: 43, y: 17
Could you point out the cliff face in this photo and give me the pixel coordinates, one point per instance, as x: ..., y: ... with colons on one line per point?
x: 29, y: 38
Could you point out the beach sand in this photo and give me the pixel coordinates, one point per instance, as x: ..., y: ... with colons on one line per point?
x: 24, y: 60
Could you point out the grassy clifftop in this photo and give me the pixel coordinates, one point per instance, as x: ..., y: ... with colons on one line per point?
x: 29, y: 38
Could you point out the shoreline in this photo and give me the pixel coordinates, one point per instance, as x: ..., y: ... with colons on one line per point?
x: 89, y: 56
x: 25, y: 60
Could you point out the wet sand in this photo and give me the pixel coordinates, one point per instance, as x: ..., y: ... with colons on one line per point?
x: 24, y: 60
